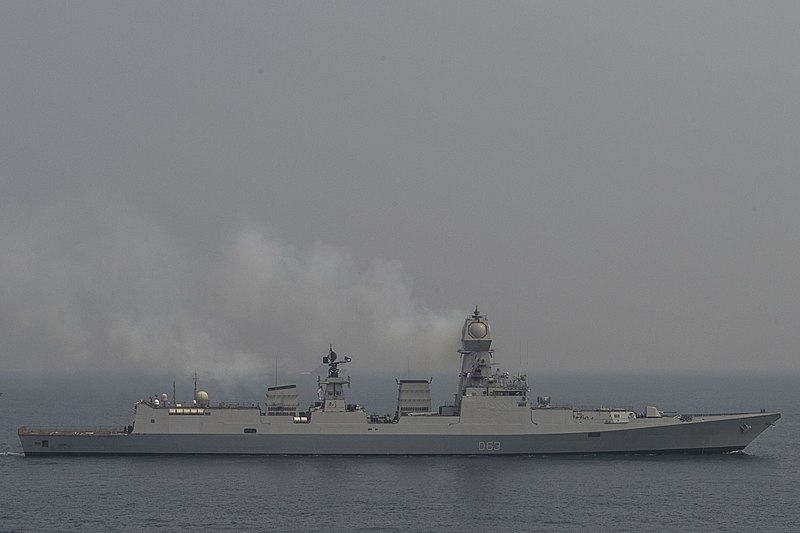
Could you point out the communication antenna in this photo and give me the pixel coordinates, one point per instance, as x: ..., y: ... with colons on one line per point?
x: 333, y: 364
x: 527, y: 357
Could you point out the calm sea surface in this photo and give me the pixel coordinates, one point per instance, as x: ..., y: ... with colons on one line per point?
x: 755, y: 491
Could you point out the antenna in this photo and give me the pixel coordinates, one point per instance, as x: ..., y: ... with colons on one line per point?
x: 333, y: 364
x: 527, y: 357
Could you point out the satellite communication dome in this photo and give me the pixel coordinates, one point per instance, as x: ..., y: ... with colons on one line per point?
x: 201, y: 397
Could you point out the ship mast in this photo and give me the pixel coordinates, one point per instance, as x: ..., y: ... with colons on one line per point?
x: 333, y: 399
x: 476, y: 356
x: 476, y: 377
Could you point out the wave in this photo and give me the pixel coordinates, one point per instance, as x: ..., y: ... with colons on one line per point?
x: 12, y: 454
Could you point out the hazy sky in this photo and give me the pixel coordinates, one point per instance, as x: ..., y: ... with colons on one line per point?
x: 217, y: 185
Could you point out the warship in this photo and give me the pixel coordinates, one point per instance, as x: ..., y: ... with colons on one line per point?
x: 491, y: 414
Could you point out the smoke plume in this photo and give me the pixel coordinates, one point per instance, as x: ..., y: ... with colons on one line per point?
x: 103, y: 287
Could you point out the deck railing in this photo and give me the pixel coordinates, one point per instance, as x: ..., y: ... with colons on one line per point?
x: 72, y: 430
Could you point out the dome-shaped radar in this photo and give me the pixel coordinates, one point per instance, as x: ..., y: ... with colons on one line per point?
x: 477, y: 330
x: 476, y: 336
x: 201, y: 397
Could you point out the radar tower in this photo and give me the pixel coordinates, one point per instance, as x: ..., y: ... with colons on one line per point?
x: 333, y: 399
x: 477, y: 377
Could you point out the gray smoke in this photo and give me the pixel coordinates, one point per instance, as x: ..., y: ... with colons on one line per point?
x: 102, y: 287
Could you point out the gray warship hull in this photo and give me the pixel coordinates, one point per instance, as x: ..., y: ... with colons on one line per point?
x: 704, y: 434
x: 491, y: 415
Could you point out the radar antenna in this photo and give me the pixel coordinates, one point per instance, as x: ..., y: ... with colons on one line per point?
x: 333, y: 364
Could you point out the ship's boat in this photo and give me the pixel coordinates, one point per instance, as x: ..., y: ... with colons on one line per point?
x: 491, y: 414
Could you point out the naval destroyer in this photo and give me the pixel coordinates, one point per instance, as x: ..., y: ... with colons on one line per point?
x: 491, y: 414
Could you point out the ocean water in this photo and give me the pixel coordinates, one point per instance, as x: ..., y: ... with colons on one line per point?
x: 758, y: 490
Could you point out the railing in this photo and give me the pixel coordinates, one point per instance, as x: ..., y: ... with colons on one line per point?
x: 220, y: 405
x: 72, y: 430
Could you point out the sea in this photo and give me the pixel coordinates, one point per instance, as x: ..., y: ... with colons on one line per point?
x: 757, y: 490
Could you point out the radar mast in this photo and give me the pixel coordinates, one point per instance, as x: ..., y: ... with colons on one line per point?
x: 333, y: 399
x: 477, y: 377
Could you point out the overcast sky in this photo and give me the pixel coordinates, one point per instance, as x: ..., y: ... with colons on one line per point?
x: 220, y: 185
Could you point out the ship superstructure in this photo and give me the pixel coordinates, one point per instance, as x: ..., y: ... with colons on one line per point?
x: 491, y: 414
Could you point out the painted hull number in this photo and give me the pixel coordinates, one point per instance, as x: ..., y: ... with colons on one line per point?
x: 488, y: 446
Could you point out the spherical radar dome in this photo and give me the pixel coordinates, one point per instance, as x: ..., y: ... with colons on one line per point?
x: 477, y: 330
